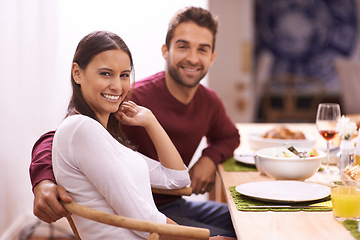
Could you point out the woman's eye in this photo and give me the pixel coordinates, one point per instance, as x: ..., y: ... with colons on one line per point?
x: 124, y: 75
x: 105, y: 73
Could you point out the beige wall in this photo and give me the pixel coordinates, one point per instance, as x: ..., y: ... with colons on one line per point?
x: 231, y: 74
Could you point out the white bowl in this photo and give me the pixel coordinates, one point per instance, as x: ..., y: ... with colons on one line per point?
x: 287, y: 168
x: 256, y: 141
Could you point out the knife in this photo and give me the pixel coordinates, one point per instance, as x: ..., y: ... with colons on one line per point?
x: 286, y: 206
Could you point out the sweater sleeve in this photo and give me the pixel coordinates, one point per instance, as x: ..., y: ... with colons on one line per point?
x: 41, y: 160
x: 223, y: 137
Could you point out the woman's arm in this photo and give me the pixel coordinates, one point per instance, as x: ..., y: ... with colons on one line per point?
x: 134, y: 115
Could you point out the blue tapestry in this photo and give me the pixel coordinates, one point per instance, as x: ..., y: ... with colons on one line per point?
x: 305, y: 36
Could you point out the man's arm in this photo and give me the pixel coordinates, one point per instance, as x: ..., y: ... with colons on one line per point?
x: 41, y: 160
x: 46, y: 193
x: 46, y: 201
x: 223, y: 138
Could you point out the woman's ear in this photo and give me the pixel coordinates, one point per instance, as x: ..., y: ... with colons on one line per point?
x: 76, y: 73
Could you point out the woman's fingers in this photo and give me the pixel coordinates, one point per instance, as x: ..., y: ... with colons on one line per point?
x: 129, y: 108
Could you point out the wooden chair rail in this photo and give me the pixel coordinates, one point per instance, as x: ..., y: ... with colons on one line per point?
x: 135, y: 224
x: 155, y: 229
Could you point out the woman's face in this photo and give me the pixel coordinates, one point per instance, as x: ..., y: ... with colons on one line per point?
x: 105, y: 82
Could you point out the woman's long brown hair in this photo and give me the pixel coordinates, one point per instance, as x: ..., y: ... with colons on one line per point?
x: 88, y: 47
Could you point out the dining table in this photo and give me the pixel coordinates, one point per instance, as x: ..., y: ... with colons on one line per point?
x: 279, y: 225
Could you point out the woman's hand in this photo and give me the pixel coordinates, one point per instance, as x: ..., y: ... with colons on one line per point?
x: 130, y: 113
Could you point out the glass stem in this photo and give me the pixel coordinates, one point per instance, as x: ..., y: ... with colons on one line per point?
x: 328, y: 155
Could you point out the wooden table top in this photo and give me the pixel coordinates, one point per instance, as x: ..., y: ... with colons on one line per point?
x: 278, y: 225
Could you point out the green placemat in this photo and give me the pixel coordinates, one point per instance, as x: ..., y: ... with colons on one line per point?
x: 244, y: 203
x: 232, y: 165
x: 352, y: 226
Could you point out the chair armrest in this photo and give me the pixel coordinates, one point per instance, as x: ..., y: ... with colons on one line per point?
x: 186, y: 191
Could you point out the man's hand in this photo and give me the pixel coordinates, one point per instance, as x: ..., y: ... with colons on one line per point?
x: 202, y: 175
x: 46, y: 201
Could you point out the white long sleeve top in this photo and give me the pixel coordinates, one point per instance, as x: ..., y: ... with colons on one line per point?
x: 100, y: 173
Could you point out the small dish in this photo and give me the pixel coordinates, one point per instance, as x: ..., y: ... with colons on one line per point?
x: 245, y: 158
x: 256, y: 141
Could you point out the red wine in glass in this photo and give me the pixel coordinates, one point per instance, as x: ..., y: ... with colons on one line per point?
x: 328, y: 134
x: 327, y: 122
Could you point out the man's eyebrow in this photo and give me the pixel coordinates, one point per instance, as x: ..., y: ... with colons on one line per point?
x: 205, y: 45
x: 187, y: 42
x: 182, y: 41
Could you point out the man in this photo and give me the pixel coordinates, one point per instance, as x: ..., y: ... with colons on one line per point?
x: 187, y: 111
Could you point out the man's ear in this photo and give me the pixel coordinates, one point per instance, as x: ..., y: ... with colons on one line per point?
x: 76, y: 73
x: 213, y: 56
x: 165, y: 52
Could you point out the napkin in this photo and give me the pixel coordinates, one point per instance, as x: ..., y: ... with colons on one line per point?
x: 244, y: 203
x: 352, y: 226
x: 232, y: 165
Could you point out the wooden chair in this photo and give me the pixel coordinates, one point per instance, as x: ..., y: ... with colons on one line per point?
x: 291, y: 98
x: 155, y: 229
x: 349, y: 76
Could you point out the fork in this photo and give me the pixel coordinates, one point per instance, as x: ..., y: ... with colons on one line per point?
x: 296, y: 152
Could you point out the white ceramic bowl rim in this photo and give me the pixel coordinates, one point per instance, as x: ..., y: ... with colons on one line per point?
x: 264, y: 154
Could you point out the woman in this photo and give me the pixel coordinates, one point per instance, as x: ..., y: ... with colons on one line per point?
x: 91, y: 157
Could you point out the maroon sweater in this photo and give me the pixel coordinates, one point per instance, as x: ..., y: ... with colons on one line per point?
x: 185, y: 124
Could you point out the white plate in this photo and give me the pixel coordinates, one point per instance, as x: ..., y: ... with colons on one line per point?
x: 256, y: 141
x: 284, y: 191
x: 245, y: 158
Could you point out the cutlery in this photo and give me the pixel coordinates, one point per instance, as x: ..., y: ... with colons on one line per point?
x: 296, y: 152
x: 285, y: 206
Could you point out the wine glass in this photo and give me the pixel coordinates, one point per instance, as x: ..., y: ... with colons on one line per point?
x: 328, y: 124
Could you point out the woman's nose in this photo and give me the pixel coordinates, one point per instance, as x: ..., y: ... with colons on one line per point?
x: 116, y: 84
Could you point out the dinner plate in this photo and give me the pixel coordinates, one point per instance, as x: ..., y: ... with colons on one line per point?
x: 256, y: 141
x: 245, y: 158
x: 284, y: 191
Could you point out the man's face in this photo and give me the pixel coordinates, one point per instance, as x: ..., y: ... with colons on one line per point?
x: 190, y: 54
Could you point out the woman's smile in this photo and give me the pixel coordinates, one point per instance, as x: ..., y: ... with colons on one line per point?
x: 111, y: 97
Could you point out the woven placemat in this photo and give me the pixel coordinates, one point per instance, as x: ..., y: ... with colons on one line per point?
x: 244, y: 203
x: 232, y: 165
x: 352, y: 226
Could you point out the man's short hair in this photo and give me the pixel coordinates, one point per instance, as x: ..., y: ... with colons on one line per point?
x: 197, y: 15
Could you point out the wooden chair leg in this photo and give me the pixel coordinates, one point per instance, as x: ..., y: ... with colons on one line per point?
x: 73, y: 228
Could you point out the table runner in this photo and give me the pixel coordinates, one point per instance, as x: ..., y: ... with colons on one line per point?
x: 243, y: 203
x: 352, y: 226
x: 232, y: 165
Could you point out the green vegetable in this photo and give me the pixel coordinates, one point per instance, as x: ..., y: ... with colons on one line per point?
x: 286, y: 154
